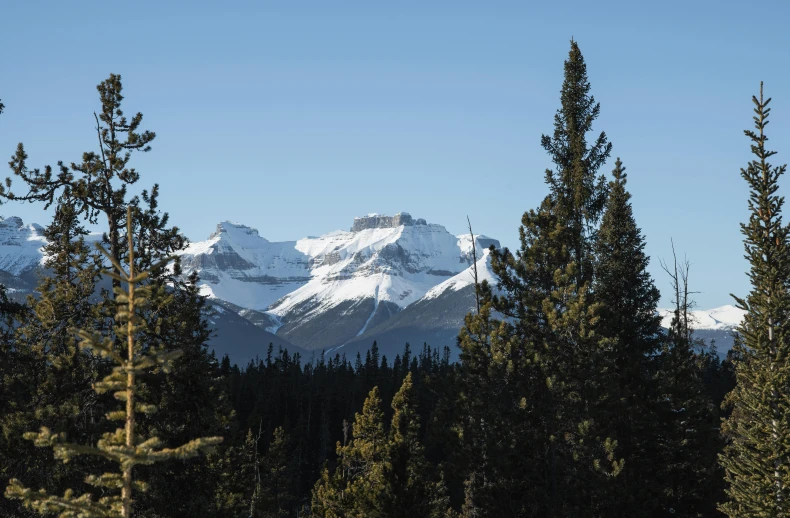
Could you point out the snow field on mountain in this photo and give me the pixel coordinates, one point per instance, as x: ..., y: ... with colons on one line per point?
x: 397, y: 265
x: 20, y: 245
x: 724, y: 317
x: 466, y: 277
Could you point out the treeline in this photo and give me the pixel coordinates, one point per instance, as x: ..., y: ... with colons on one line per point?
x: 569, y: 399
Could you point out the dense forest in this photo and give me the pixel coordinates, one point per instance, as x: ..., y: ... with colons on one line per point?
x: 569, y: 398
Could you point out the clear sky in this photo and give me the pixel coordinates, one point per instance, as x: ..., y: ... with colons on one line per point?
x: 294, y: 117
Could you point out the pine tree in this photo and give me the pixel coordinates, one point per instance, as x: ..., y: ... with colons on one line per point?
x: 94, y: 189
x: 276, y: 498
x: 551, y: 311
x: 45, y: 351
x: 631, y: 331
x: 355, y: 488
x: 124, y: 446
x: 409, y: 486
x: 757, y: 457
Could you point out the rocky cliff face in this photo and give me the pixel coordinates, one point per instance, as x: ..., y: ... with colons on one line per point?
x: 378, y: 221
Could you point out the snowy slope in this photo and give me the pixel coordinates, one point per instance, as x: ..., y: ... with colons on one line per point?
x: 724, y: 318
x: 364, y: 276
x: 390, y: 279
x: 20, y: 245
x: 398, y: 265
x: 323, y: 291
x: 237, y: 265
x: 712, y: 325
x: 466, y: 277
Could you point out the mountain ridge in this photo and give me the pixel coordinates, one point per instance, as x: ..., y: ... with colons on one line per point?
x: 392, y: 279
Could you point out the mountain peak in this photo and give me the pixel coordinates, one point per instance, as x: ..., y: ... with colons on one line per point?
x: 374, y: 220
x: 235, y: 230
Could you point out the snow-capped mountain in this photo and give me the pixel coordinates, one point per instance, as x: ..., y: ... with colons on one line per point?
x: 717, y: 324
x: 239, y: 266
x: 20, y: 255
x: 724, y: 318
x: 20, y: 245
x: 436, y: 318
x: 392, y: 279
x: 321, y: 292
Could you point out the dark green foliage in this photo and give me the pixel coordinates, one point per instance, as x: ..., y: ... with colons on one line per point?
x: 578, y: 194
x: 276, y: 497
x: 757, y: 456
x: 411, y: 488
x: 630, y: 332
x: 569, y: 399
x: 382, y: 474
x: 43, y: 349
x: 547, y: 353
x: 124, y: 446
x: 95, y: 190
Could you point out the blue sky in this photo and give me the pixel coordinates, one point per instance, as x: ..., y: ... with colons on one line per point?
x: 294, y: 117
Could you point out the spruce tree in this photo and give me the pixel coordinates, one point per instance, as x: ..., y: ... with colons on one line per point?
x: 551, y: 315
x: 123, y: 446
x: 757, y: 456
x: 631, y: 330
x: 578, y: 193
x: 409, y: 486
x: 355, y: 488
x: 277, y: 498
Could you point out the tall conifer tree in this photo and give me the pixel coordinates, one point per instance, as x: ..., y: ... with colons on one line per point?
x: 95, y: 189
x: 548, y: 299
x: 124, y: 446
x: 410, y: 489
x: 757, y: 456
x: 46, y: 351
x: 355, y: 487
x: 631, y: 331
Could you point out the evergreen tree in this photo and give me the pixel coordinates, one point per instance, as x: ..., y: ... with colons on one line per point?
x: 630, y: 329
x: 757, y: 456
x: 551, y: 343
x: 123, y: 446
x: 355, y: 488
x: 45, y: 350
x: 688, y: 431
x: 409, y: 486
x: 578, y: 194
x: 497, y: 435
x: 238, y: 489
x: 276, y: 498
x: 94, y: 189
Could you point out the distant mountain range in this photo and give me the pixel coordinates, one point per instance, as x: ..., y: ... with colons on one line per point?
x: 392, y: 279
